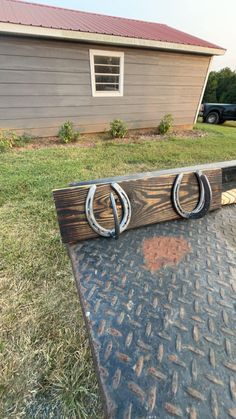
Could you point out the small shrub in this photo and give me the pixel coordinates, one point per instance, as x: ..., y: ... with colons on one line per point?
x: 67, y: 134
x: 9, y: 139
x: 4, y: 145
x: 165, y: 124
x: 118, y: 128
x: 23, y: 139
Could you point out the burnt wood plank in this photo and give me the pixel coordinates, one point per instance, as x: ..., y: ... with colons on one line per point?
x: 150, y: 199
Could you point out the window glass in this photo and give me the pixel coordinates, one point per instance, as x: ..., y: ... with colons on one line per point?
x: 107, y: 87
x: 107, y: 73
x: 99, y: 59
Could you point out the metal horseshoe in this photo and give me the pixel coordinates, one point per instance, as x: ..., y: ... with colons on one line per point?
x: 126, y: 207
x: 205, y: 197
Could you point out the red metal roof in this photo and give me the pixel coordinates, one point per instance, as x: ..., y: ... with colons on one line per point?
x: 24, y: 13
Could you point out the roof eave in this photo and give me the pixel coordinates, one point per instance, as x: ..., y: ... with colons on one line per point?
x: 26, y: 30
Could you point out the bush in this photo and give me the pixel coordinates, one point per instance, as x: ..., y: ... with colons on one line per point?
x: 165, y: 124
x: 67, y: 134
x: 9, y: 139
x: 118, y: 128
x: 4, y: 145
x: 23, y: 139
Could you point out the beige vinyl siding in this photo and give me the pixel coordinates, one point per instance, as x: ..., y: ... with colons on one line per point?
x: 43, y: 83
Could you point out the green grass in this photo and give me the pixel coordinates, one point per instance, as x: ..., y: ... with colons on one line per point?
x: 46, y: 363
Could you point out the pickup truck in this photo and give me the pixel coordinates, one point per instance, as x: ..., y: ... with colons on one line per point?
x: 217, y: 113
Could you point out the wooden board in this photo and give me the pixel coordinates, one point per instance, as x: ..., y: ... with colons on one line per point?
x: 150, y: 198
x: 229, y: 197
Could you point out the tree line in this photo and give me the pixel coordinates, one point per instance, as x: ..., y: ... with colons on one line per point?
x: 221, y: 87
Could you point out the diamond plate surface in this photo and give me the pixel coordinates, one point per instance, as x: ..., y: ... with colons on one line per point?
x: 163, y: 340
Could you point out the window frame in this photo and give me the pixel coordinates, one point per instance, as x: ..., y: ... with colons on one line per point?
x: 106, y: 53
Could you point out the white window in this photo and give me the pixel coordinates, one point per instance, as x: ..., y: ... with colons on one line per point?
x: 107, y: 73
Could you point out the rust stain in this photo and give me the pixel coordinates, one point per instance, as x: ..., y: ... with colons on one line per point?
x: 173, y: 410
x: 139, y: 366
x: 163, y: 251
x: 101, y: 328
x: 152, y: 399
x: 137, y: 390
x: 195, y: 393
x: 156, y: 373
x: 114, y: 332
x: 108, y: 350
x: 116, y: 379
x: 123, y: 357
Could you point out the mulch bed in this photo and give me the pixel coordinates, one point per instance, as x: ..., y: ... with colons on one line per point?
x: 90, y: 140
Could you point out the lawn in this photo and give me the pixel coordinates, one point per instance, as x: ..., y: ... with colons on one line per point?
x: 46, y: 363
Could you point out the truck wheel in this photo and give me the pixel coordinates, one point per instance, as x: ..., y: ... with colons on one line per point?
x: 212, y: 118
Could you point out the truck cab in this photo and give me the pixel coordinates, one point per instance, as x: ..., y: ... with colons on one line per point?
x: 217, y: 113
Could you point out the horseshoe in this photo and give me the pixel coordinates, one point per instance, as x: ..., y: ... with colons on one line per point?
x: 126, y: 207
x: 205, y: 197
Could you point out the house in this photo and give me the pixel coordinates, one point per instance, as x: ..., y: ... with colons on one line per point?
x: 58, y: 64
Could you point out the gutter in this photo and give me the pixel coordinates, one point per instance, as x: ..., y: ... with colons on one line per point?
x: 25, y: 30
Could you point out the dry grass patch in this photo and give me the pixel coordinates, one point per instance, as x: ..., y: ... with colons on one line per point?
x: 44, y: 350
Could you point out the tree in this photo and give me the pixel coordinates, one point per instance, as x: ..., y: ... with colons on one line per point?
x: 221, y: 87
x: 210, y: 92
x: 230, y: 95
x: 224, y: 83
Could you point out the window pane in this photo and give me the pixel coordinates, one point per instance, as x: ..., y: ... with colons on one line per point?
x: 107, y: 79
x: 107, y: 87
x: 107, y: 69
x: 101, y: 59
x: 107, y: 72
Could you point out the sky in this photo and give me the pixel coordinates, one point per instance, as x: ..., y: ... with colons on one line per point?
x: 212, y: 20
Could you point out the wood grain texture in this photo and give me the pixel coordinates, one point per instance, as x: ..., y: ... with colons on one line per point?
x: 228, y: 197
x: 50, y: 125
x: 69, y: 50
x: 99, y: 102
x: 150, y: 199
x: 87, y: 111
